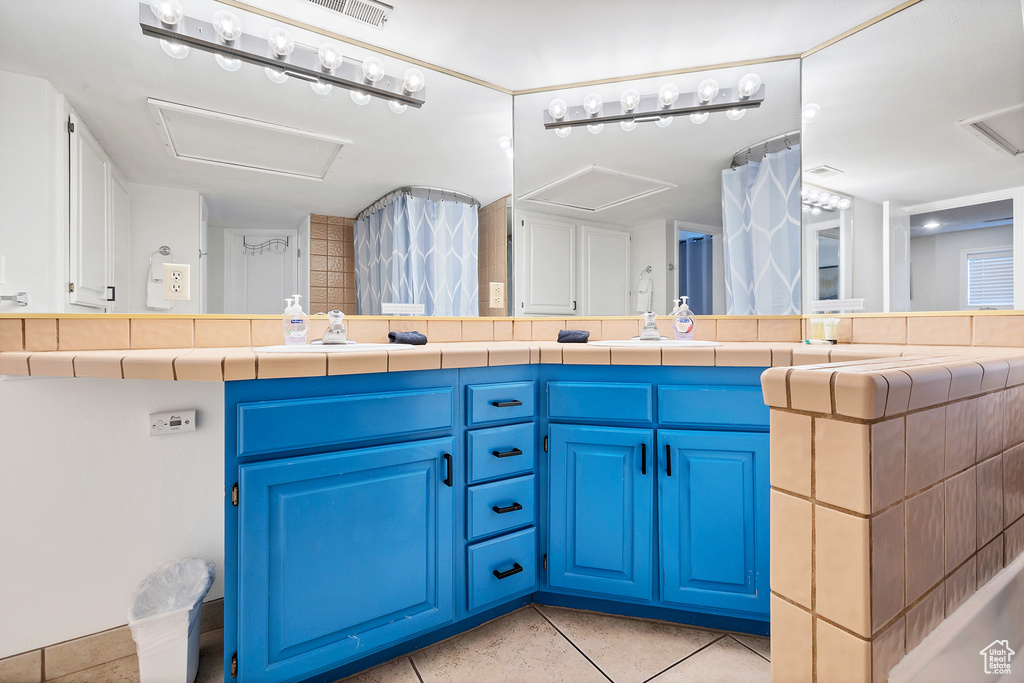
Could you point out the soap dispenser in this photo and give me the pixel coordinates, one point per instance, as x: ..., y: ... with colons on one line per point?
x: 682, y: 322
x: 296, y: 323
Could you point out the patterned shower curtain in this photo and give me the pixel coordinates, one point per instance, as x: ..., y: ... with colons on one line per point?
x: 761, y: 222
x: 418, y: 251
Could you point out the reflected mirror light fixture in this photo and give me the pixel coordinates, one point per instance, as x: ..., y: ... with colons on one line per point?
x: 595, y: 128
x: 563, y: 132
x: 278, y: 54
x: 814, y: 201
x: 633, y: 108
x: 397, y: 107
x: 321, y: 88
x: 229, y: 63
x: 810, y: 112
x: 505, y: 144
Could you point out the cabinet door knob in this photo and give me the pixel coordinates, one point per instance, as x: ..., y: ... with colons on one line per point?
x: 506, y: 454
x: 643, y: 458
x: 514, y: 507
x: 448, y: 461
x: 506, y: 404
x: 668, y: 460
x: 516, y: 568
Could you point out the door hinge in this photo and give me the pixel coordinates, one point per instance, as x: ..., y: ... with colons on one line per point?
x: 545, y: 561
x: 234, y: 665
x: 545, y: 443
x: 71, y: 126
x: 71, y: 287
x: 234, y: 495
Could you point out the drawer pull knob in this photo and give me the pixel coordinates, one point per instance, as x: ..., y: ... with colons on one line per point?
x: 514, y: 507
x: 516, y: 568
x: 506, y: 404
x: 448, y: 461
x: 506, y: 454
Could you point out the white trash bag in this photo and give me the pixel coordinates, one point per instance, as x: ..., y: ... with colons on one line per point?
x: 164, y: 620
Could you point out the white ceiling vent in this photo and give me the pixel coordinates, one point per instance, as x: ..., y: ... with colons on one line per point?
x: 213, y: 137
x: 595, y: 189
x: 823, y: 171
x: 1002, y: 130
x: 370, y: 12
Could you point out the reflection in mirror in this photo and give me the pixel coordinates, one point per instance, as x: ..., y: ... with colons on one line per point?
x: 253, y: 183
x: 827, y: 228
x: 920, y: 120
x: 623, y: 217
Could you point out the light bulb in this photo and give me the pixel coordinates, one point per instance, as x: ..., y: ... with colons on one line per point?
x: 663, y: 122
x: 276, y: 75
x: 804, y: 191
x: 629, y: 99
x: 823, y: 198
x: 833, y: 201
x: 595, y: 128
x: 228, y: 63
x: 813, y: 195
x: 810, y: 112
x: 735, y: 114
x: 508, y: 153
x: 169, y: 12
x: 227, y: 26
x: 558, y: 108
x: 397, y: 107
x: 373, y: 69
x: 815, y: 211
x: 805, y: 208
x: 628, y: 125
x: 321, y: 88
x: 667, y: 95
x: 931, y: 225
x: 592, y: 104
x: 563, y: 132
x: 707, y: 90
x: 413, y: 81
x: 504, y: 142
x: 748, y: 85
x: 844, y: 203
x: 174, y: 48
x: 699, y: 117
x: 330, y: 56
x: 359, y: 98
x: 280, y: 41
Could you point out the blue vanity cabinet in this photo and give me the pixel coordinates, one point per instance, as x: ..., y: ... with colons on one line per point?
x: 713, y: 520
x: 601, y: 509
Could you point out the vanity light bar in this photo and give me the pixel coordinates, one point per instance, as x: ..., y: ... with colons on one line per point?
x: 303, y: 63
x: 650, y: 109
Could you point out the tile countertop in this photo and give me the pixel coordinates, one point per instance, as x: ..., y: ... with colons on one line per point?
x: 801, y: 377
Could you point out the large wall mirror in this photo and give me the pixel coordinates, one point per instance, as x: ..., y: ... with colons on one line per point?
x: 257, y: 185
x: 621, y: 218
x: 913, y: 136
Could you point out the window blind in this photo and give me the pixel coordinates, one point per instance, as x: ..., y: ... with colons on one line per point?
x: 990, y: 279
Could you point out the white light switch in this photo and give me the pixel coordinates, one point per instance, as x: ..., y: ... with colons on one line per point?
x: 168, y: 423
x: 497, y: 295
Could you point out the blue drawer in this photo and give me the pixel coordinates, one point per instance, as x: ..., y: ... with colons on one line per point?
x: 499, y: 402
x: 610, y: 402
x: 492, y: 452
x: 712, y: 406
x: 501, y: 555
x: 297, y: 424
x: 500, y: 506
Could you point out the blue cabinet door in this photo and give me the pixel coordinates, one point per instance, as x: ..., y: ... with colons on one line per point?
x: 342, y: 554
x: 601, y: 510
x: 713, y: 519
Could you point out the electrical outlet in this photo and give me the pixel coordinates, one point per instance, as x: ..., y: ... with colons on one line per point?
x: 177, y: 277
x: 497, y: 295
x: 167, y: 423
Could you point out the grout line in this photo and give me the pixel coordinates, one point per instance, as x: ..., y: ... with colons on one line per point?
x: 414, y: 669
x: 695, y: 652
x: 751, y: 649
x: 569, y: 640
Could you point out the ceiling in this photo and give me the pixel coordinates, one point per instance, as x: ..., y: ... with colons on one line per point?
x: 986, y: 215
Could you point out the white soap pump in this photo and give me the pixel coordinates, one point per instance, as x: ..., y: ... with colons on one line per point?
x: 682, y: 322
x: 296, y: 323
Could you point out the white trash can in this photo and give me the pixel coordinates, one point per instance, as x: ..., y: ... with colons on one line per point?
x: 164, y: 620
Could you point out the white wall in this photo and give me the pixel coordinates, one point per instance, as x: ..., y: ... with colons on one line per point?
x: 90, y: 503
x: 936, y: 268
x: 32, y: 203
x: 652, y: 246
x: 867, y: 253
x: 163, y: 216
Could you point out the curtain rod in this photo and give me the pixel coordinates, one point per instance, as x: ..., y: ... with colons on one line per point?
x: 420, y: 192
x: 756, y: 151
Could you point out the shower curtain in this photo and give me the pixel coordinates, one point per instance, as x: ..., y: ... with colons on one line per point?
x: 415, y: 250
x: 761, y: 222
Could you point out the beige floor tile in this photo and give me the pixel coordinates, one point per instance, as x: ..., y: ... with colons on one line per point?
x: 522, y: 646
x: 627, y: 650
x: 726, y: 661
x: 396, y: 671
x: 762, y: 646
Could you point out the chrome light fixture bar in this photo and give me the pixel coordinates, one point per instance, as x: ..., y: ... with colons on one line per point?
x: 302, y: 63
x: 651, y: 109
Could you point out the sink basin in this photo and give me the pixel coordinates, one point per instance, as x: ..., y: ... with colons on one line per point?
x: 330, y: 348
x: 654, y: 343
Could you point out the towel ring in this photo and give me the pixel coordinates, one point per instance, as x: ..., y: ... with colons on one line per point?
x: 163, y: 251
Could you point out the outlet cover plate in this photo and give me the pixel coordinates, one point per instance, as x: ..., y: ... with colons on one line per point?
x: 177, y: 279
x: 497, y: 299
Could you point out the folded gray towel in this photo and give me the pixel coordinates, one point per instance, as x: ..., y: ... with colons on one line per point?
x: 413, y: 337
x: 573, y: 336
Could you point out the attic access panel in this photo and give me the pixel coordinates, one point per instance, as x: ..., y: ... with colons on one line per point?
x: 221, y: 139
x: 595, y: 188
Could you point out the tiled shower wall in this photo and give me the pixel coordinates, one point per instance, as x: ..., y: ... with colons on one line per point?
x: 882, y: 528
x: 332, y: 270
x: 491, y: 253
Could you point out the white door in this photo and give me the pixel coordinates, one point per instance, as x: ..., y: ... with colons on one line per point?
x: 257, y: 283
x: 549, y: 267
x: 896, y: 258
x: 604, y: 266
x: 120, y: 214
x: 91, y: 258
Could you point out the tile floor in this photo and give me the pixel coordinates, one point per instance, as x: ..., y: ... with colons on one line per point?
x: 534, y: 644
